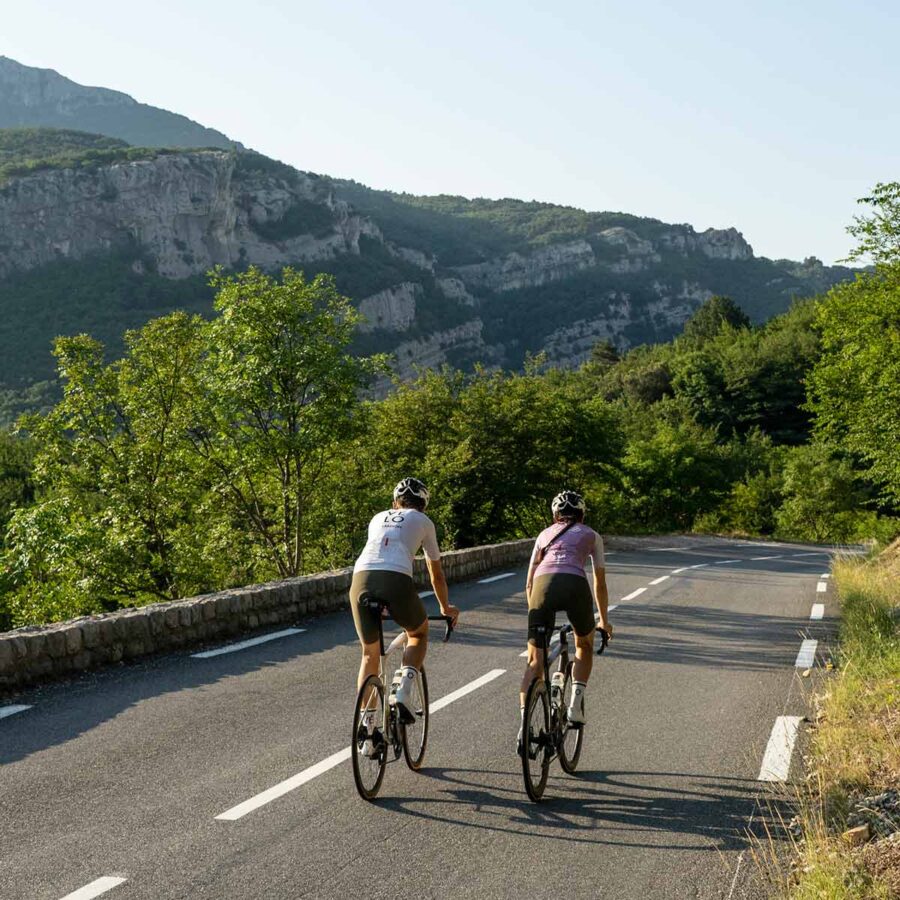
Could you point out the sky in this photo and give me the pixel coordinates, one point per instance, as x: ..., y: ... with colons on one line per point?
x: 769, y: 117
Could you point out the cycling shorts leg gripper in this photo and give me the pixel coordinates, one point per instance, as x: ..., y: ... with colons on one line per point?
x: 396, y: 590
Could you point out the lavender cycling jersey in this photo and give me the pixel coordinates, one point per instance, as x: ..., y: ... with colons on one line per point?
x: 570, y: 552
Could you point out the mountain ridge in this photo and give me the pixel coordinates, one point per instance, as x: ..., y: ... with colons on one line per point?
x: 31, y: 96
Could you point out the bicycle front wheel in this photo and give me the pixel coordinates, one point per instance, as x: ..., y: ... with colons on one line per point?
x: 415, y: 735
x: 536, y: 740
x: 369, y: 745
x: 573, y: 738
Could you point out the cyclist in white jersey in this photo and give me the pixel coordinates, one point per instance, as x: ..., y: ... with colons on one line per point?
x: 384, y: 572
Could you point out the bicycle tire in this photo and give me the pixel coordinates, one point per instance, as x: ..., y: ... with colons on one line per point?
x: 415, y: 737
x: 536, y: 740
x: 573, y: 738
x: 368, y: 771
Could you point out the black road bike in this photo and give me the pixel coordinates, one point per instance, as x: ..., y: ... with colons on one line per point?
x: 547, y: 732
x: 377, y: 726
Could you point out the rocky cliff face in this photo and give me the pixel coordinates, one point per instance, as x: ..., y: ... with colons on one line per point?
x: 179, y: 215
x: 186, y: 212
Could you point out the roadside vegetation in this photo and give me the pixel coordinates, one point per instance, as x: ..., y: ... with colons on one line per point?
x: 214, y: 452
x: 847, y: 833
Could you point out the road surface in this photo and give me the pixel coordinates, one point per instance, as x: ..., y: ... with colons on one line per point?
x: 223, y: 777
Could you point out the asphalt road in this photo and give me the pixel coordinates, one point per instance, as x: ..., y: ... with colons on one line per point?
x: 111, y: 784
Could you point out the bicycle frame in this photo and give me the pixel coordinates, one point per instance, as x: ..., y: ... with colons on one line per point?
x: 377, y: 606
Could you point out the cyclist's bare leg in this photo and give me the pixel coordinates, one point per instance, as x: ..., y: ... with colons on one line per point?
x: 584, y: 657
x: 371, y: 661
x: 416, y: 646
x: 533, y: 669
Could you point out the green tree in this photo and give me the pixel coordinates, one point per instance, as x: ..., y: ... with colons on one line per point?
x: 855, y: 386
x: 117, y: 493
x: 714, y: 314
x: 280, y: 391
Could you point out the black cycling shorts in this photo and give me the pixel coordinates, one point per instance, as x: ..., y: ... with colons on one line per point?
x: 397, y: 591
x: 560, y: 592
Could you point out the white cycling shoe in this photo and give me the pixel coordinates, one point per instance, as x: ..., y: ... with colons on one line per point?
x: 575, y: 712
x: 368, y: 748
x: 403, y: 694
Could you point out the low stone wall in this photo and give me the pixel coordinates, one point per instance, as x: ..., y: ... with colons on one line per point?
x: 37, y: 653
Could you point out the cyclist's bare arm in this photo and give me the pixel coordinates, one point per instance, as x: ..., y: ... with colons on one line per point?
x: 601, y: 595
x: 439, y: 583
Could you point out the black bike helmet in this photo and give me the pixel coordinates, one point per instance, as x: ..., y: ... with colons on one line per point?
x: 568, y: 503
x: 412, y: 487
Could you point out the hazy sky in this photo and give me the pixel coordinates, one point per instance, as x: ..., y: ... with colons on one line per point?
x: 769, y: 116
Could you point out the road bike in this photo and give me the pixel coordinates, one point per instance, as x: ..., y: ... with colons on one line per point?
x: 548, y: 733
x: 377, y: 726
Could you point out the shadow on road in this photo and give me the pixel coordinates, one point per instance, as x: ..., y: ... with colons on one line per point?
x: 669, y: 810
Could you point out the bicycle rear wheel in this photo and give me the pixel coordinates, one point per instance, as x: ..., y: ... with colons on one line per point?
x: 573, y: 738
x: 415, y: 735
x: 536, y: 740
x: 369, y: 745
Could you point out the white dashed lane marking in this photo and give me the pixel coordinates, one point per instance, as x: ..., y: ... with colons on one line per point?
x: 301, y: 778
x: 806, y: 658
x: 821, y: 587
x: 727, y: 562
x: 496, y: 578
x: 95, y: 888
x: 776, y: 763
x: 250, y: 642
x: 661, y: 579
x: 12, y: 710
x: 634, y: 594
x: 757, y: 558
x: 818, y: 611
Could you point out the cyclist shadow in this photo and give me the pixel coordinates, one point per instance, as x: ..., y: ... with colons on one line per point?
x: 607, y: 808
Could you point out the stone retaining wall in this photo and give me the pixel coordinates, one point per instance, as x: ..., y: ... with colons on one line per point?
x: 37, y: 653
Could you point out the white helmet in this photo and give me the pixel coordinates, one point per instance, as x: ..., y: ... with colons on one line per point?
x: 411, y: 487
x: 568, y: 503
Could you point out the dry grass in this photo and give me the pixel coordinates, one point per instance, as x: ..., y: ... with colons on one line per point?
x: 855, y: 750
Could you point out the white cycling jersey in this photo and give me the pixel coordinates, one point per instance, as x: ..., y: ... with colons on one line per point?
x: 395, y: 536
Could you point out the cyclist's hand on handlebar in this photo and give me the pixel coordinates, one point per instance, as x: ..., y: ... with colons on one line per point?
x: 605, y: 626
x: 451, y: 611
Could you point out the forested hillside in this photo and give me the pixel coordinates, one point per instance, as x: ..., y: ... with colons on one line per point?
x: 236, y: 449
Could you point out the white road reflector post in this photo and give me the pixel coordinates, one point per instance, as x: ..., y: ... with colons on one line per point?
x: 776, y: 763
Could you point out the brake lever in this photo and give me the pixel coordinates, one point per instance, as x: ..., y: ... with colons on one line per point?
x: 604, y: 640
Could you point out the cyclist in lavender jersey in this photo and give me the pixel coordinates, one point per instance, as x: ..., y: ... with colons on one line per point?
x: 557, y: 582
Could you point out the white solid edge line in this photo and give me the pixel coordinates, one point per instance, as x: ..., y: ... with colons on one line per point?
x: 814, y: 553
x: 667, y: 549
x: 821, y: 587
x: 776, y: 761
x: 250, y: 642
x: 634, y: 594
x: 12, y: 710
x: 756, y: 558
x: 661, y: 579
x: 96, y: 888
x: 699, y: 566
x: 495, y: 578
x: 807, y: 655
x: 301, y: 778
x: 818, y: 611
